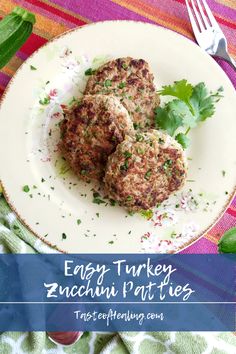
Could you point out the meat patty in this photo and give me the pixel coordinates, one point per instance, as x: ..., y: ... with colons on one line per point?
x: 144, y: 170
x: 132, y: 81
x: 91, y: 131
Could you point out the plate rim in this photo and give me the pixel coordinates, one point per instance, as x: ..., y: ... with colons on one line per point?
x: 4, y: 190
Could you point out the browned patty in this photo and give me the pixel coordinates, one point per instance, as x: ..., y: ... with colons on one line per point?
x: 132, y: 81
x: 144, y: 170
x: 91, y: 131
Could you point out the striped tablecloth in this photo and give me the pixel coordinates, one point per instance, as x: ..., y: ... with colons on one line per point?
x: 57, y: 16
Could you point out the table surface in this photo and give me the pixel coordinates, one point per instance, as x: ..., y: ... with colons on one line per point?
x: 57, y: 16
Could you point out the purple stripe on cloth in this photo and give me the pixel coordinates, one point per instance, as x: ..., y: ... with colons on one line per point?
x: 4, y: 79
x: 228, y: 70
x: 43, y: 12
x: 21, y: 55
x: 100, y: 10
x: 222, y: 9
x: 201, y: 246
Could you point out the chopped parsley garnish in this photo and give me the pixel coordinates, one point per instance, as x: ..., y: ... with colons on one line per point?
x: 42, y: 180
x: 129, y: 198
x: 136, y: 126
x: 131, y: 213
x: 111, y: 242
x: 32, y: 67
x: 97, y: 214
x: 89, y: 72
x: 137, y: 109
x: 139, y: 137
x: 79, y: 222
x: 147, y: 214
x: 26, y: 189
x: 124, y: 66
x: 125, y: 166
x: 112, y: 202
x: 97, y: 199
x: 140, y: 151
x: 192, y: 105
x: 122, y: 85
x: 83, y: 172
x: 167, y: 164
x: 44, y: 101
x: 107, y: 83
x: 64, y: 236
x: 223, y: 173
x: 148, y: 174
x: 161, y: 141
x: 127, y: 154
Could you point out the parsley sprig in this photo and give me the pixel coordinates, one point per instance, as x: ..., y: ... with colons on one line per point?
x: 190, y: 106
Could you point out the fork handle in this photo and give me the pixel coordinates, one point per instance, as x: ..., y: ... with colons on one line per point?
x: 229, y: 60
x: 222, y: 52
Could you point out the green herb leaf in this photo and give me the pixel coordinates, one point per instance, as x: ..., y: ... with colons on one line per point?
x: 167, y: 120
x: 183, y: 140
x: 180, y: 89
x: 203, y: 103
x: 194, y: 104
x: 79, y: 221
x: 32, y: 67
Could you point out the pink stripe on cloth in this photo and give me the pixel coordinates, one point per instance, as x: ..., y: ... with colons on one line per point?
x: 201, y: 246
x: 43, y: 12
x: 99, y: 10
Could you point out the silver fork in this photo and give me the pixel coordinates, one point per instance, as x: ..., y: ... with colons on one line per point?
x: 207, y: 31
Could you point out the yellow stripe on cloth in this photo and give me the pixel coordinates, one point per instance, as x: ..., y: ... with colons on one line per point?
x: 212, y: 238
x: 157, y: 16
x: 229, y: 3
x: 71, y: 13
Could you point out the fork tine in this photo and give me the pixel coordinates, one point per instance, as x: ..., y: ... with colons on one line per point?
x: 210, y: 15
x: 206, y: 23
x: 192, y: 19
x: 197, y: 16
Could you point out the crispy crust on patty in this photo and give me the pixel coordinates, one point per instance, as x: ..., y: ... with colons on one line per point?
x: 144, y: 170
x: 132, y: 81
x: 91, y: 131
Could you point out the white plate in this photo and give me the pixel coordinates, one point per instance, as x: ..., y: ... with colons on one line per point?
x: 29, y: 134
